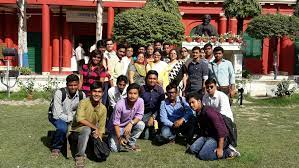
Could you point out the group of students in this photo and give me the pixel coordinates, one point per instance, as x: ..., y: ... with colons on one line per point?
x: 126, y: 100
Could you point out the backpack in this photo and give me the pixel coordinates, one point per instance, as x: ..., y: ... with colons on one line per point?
x: 232, y: 131
x: 63, y: 91
x: 99, y: 149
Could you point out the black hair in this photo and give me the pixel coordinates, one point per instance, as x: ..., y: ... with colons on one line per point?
x: 119, y: 46
x: 96, y: 85
x: 133, y: 86
x: 109, y: 40
x: 101, y: 44
x: 72, y: 78
x: 218, y: 49
x: 194, y: 95
x: 94, y: 53
x: 159, y: 51
x: 196, y: 48
x: 166, y: 43
x: 151, y: 72
x: 172, y: 86
x: 207, y: 45
x: 157, y: 41
x: 122, y: 78
x: 210, y: 81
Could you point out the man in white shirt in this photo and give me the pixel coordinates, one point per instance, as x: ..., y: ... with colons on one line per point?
x: 217, y: 99
x: 118, y: 92
x: 93, y: 47
x: 79, y: 52
x: 119, y: 64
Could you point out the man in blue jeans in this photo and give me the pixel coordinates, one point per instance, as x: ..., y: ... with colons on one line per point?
x: 62, y: 110
x: 212, y: 144
x: 176, y: 116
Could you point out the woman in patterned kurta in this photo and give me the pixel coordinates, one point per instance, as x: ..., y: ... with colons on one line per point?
x: 92, y: 72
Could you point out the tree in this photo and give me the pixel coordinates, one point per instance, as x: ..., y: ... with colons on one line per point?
x: 296, y: 12
x: 22, y: 34
x: 169, y: 6
x: 274, y: 26
x: 153, y: 22
x: 241, y: 9
x: 99, y: 24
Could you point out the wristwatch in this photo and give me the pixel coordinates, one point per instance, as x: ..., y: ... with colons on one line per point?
x: 132, y: 122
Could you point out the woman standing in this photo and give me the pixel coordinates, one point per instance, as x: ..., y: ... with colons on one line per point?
x: 175, y: 67
x: 137, y: 70
x: 92, y: 72
x: 161, y: 67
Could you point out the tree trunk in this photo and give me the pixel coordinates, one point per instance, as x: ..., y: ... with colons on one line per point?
x: 275, y: 58
x: 22, y: 34
x: 240, y: 25
x: 99, y: 25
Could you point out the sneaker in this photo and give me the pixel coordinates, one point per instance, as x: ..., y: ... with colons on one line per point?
x: 55, y: 153
x: 234, y: 153
x: 123, y: 148
x: 135, y: 148
x: 79, y: 162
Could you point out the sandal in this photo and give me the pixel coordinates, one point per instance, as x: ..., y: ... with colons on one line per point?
x: 79, y: 162
x: 55, y: 153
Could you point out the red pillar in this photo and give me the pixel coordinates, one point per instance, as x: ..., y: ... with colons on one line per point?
x: 233, y: 25
x: 245, y: 24
x: 287, y: 56
x: 110, y: 22
x: 265, y: 55
x: 67, y: 48
x: 1, y: 29
x: 45, y: 38
x: 222, y: 25
x: 55, y: 44
x: 8, y: 18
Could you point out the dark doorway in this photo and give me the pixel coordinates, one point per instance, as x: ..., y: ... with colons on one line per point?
x: 87, y: 42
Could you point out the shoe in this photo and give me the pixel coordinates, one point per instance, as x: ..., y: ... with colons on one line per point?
x: 55, y: 153
x: 123, y: 148
x: 234, y: 153
x: 135, y: 148
x: 79, y: 162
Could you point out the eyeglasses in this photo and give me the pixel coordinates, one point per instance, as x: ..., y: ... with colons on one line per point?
x: 183, y: 51
x: 109, y: 44
x: 157, y: 55
x: 171, y: 92
x: 98, y: 57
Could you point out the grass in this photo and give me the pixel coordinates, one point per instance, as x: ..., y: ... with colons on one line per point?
x: 268, y: 137
x: 21, y: 95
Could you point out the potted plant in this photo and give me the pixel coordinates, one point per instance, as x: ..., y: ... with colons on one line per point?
x: 198, y: 39
x: 238, y: 39
x: 205, y: 38
x: 229, y: 37
x: 221, y: 38
x: 213, y: 39
x: 188, y: 39
x: 27, y: 87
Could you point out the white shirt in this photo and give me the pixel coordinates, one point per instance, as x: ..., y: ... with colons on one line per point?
x: 93, y: 47
x: 79, y: 53
x: 219, y: 101
x: 114, y: 95
x: 126, y: 62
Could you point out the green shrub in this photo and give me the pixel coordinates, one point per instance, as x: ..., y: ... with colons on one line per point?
x: 283, y: 89
x: 24, y: 70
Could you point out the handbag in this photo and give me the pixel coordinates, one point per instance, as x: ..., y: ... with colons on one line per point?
x: 100, y: 150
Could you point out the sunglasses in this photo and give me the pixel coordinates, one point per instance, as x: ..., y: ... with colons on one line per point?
x: 210, y: 87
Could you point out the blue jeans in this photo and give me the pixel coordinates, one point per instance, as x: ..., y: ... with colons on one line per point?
x: 205, y: 149
x: 105, y: 94
x: 60, y: 133
x: 135, y: 133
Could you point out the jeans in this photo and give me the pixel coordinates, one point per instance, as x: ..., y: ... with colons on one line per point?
x: 83, y: 140
x: 187, y: 129
x: 60, y: 133
x: 105, y: 94
x: 205, y: 149
x: 135, y: 133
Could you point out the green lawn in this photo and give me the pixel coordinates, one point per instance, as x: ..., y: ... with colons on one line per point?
x: 268, y: 137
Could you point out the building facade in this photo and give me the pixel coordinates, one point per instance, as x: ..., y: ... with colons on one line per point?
x: 54, y: 29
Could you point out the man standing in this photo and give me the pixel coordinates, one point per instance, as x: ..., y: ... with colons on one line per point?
x: 62, y: 109
x: 152, y: 94
x: 223, y: 72
x: 90, y: 119
x: 176, y: 116
x: 79, y: 52
x: 217, y: 99
x: 118, y: 92
x: 157, y: 45
x: 166, y: 51
x: 197, y: 73
x: 208, y: 48
x: 126, y: 124
x: 119, y: 64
